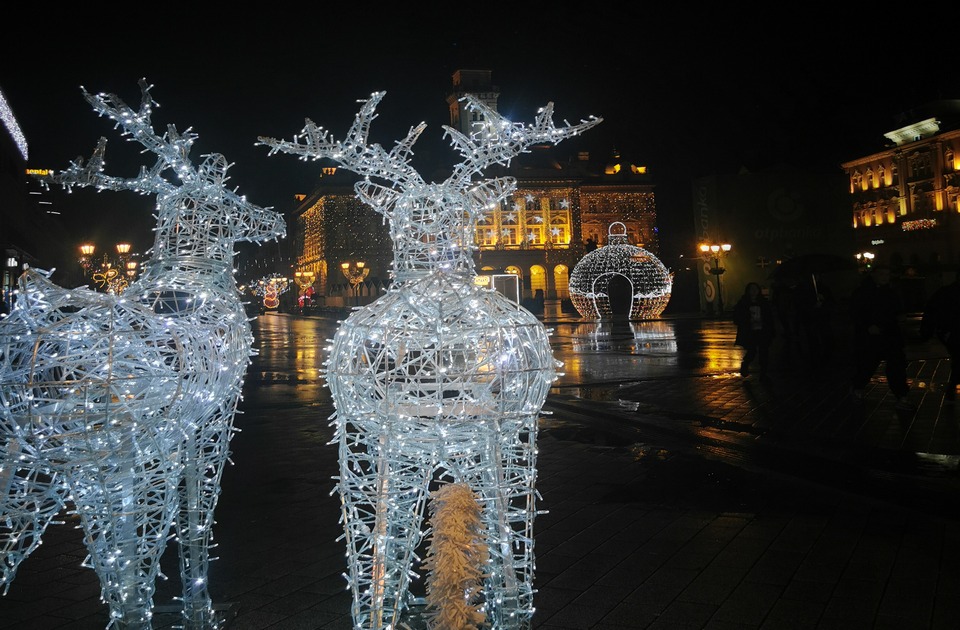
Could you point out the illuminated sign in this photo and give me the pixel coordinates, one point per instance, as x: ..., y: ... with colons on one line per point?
x: 919, y: 224
x: 41, y: 172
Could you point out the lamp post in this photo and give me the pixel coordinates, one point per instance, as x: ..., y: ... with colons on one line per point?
x: 355, y: 273
x: 86, y: 257
x: 716, y: 251
x: 109, y: 273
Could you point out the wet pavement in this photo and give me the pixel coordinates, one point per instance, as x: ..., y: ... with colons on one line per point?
x: 678, y: 494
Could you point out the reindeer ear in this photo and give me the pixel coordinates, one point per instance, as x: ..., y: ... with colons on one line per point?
x: 490, y: 192
x: 378, y: 197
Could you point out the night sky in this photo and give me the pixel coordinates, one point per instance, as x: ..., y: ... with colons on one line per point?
x: 685, y: 93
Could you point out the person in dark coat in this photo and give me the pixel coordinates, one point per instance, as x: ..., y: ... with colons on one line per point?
x: 941, y: 318
x: 877, y: 310
x: 755, y: 318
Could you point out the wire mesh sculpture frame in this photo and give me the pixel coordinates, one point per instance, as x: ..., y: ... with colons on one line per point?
x: 120, y: 408
x: 651, y: 283
x: 438, y: 380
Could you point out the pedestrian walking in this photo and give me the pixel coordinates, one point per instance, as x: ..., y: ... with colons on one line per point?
x: 941, y: 319
x: 755, y: 319
x: 877, y: 311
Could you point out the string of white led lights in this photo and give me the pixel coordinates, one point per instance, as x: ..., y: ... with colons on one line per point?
x: 438, y: 380
x: 124, y: 405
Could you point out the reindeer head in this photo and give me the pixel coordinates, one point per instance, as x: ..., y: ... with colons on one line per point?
x: 432, y: 225
x: 197, y: 216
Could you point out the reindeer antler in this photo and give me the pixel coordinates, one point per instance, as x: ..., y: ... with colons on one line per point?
x: 498, y: 140
x: 172, y: 149
x: 354, y: 153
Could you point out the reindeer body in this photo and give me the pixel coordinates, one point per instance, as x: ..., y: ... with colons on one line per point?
x: 121, y: 407
x: 439, y: 380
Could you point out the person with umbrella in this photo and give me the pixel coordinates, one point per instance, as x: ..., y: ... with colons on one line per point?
x: 878, y: 338
x: 755, y: 319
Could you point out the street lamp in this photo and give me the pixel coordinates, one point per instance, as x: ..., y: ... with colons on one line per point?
x: 865, y: 259
x: 355, y: 272
x: 86, y: 257
x: 109, y: 273
x: 716, y: 251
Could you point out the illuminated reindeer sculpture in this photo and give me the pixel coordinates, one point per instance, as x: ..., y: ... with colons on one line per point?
x: 121, y: 408
x: 439, y: 380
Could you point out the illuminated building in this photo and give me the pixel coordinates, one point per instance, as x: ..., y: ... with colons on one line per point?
x: 561, y: 210
x: 905, y: 199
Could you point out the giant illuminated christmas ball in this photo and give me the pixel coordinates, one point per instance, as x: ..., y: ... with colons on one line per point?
x: 650, y: 281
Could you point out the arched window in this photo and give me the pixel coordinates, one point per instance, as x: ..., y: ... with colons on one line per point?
x: 561, y: 281
x: 538, y: 279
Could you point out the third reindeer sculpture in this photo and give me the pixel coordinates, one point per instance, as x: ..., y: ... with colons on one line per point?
x: 438, y: 380
x: 121, y: 408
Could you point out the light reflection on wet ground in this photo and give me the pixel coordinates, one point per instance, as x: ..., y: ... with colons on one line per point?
x: 612, y: 353
x: 601, y: 360
x: 597, y: 357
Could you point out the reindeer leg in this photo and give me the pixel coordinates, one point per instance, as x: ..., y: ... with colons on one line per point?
x: 124, y: 493
x: 383, y: 493
x: 29, y: 500
x: 503, y: 475
x: 204, y: 458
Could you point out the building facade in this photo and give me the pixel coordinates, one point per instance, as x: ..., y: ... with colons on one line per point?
x: 562, y: 208
x: 905, y: 201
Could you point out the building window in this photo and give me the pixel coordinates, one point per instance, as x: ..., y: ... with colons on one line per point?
x: 534, y: 234
x: 510, y: 228
x: 561, y: 281
x: 509, y: 236
x: 486, y: 233
x: 538, y: 279
x: 559, y: 231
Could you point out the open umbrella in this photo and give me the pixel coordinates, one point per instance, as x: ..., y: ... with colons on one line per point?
x: 806, y: 265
